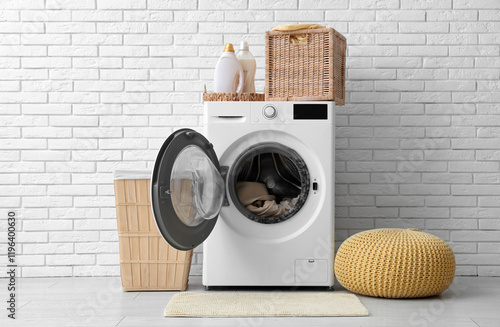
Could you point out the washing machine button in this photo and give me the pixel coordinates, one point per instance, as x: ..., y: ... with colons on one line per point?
x: 269, y: 112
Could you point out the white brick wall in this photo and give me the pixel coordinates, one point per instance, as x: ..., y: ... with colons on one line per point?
x: 90, y: 86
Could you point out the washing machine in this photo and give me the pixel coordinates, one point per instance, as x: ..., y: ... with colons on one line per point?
x: 202, y: 184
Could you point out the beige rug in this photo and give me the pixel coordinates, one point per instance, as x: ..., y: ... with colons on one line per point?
x: 245, y: 304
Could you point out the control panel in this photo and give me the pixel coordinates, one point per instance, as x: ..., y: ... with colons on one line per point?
x: 291, y: 112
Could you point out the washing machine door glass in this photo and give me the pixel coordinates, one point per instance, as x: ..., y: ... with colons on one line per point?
x: 187, y: 189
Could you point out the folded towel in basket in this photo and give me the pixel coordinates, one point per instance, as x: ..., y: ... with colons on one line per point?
x: 297, y: 38
x: 296, y: 27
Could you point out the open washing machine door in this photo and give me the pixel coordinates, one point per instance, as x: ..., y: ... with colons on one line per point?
x: 187, y: 189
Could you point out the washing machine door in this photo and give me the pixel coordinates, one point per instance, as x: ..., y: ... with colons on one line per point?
x: 187, y: 189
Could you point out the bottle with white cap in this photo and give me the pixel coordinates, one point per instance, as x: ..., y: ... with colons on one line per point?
x: 228, y: 72
x: 247, y: 61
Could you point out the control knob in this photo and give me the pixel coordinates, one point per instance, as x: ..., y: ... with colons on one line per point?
x: 270, y: 112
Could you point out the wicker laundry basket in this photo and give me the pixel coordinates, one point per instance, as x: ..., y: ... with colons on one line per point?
x: 311, y: 70
x: 147, y: 262
x: 233, y: 96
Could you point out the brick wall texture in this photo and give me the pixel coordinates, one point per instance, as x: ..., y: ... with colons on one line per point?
x: 90, y: 86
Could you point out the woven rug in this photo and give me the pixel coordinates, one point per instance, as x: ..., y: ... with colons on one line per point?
x: 246, y: 304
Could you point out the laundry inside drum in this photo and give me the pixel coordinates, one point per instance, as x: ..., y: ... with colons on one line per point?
x: 271, y: 183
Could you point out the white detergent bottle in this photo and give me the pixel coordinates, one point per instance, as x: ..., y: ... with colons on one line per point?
x: 247, y: 61
x: 228, y: 73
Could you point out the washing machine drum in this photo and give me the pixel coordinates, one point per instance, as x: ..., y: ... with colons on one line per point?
x: 271, y: 182
x: 188, y: 190
x: 280, y: 175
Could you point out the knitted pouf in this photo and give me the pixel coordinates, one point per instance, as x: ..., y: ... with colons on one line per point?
x: 395, y: 263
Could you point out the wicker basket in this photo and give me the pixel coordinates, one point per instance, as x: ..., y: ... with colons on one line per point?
x: 147, y: 262
x: 233, y: 97
x: 314, y: 70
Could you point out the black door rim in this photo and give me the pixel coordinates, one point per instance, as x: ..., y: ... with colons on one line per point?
x: 174, y: 231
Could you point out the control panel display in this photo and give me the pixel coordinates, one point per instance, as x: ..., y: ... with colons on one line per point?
x: 310, y: 111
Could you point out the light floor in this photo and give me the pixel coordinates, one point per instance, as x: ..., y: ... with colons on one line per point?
x: 97, y: 302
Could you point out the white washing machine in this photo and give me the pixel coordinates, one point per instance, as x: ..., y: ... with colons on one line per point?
x: 286, y: 146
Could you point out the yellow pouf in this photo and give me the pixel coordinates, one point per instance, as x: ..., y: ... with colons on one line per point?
x: 395, y: 263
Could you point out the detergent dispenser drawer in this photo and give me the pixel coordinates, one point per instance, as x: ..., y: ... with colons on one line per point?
x: 311, y: 271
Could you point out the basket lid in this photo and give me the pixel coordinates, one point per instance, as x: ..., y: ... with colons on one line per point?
x: 132, y: 174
